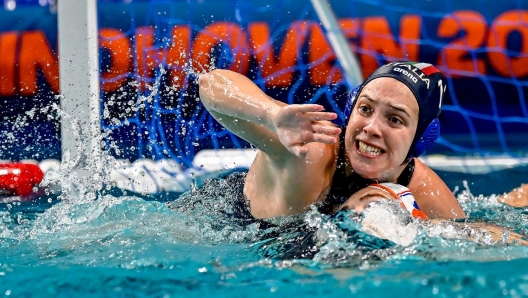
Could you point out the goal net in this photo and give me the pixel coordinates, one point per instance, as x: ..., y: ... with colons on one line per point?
x: 152, y: 52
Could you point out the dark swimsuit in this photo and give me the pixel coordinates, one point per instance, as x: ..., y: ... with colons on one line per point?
x: 225, y: 200
x: 341, y: 189
x: 231, y: 189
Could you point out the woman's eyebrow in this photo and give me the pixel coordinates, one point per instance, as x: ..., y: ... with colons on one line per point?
x: 400, y: 108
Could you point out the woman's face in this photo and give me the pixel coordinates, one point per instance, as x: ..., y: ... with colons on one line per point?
x: 381, y: 129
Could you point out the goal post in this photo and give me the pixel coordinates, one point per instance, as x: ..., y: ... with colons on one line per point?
x: 338, y: 42
x: 79, y: 83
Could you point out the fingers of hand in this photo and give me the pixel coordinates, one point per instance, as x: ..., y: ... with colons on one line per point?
x: 320, y: 116
x: 309, y: 136
x: 307, y: 108
x: 326, y: 129
x: 322, y: 138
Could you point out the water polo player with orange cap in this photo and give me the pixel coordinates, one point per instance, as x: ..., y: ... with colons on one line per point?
x: 304, y: 159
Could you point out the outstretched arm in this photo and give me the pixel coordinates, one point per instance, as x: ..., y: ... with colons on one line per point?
x: 274, y: 127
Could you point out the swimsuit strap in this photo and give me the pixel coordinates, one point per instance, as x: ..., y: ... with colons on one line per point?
x: 406, y: 175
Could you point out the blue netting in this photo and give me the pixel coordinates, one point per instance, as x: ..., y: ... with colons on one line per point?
x: 148, y: 114
x: 486, y: 113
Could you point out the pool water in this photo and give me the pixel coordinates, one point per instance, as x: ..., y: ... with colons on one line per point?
x: 117, y: 243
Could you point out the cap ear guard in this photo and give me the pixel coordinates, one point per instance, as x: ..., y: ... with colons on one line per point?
x: 427, y: 139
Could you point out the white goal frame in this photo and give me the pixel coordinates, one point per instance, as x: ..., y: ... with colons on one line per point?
x: 79, y: 81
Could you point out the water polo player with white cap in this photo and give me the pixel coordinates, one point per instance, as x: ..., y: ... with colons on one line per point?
x: 304, y: 159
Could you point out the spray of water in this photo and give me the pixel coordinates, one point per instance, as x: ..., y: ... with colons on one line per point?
x: 86, y: 220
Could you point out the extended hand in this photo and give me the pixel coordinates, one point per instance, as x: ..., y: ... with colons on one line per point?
x: 298, y: 125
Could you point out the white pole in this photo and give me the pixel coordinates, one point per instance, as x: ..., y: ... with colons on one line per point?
x: 338, y: 42
x: 79, y: 83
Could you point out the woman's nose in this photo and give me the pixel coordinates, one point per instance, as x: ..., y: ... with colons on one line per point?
x: 373, y: 126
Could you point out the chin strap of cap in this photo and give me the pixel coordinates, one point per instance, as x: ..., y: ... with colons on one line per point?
x: 403, y: 195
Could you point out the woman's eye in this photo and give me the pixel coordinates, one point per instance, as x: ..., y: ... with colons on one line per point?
x: 395, y: 120
x: 364, y: 109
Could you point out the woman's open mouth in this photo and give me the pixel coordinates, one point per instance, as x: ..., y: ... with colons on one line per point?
x: 368, y: 149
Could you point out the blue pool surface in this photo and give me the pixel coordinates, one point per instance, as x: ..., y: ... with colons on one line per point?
x: 122, y: 244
